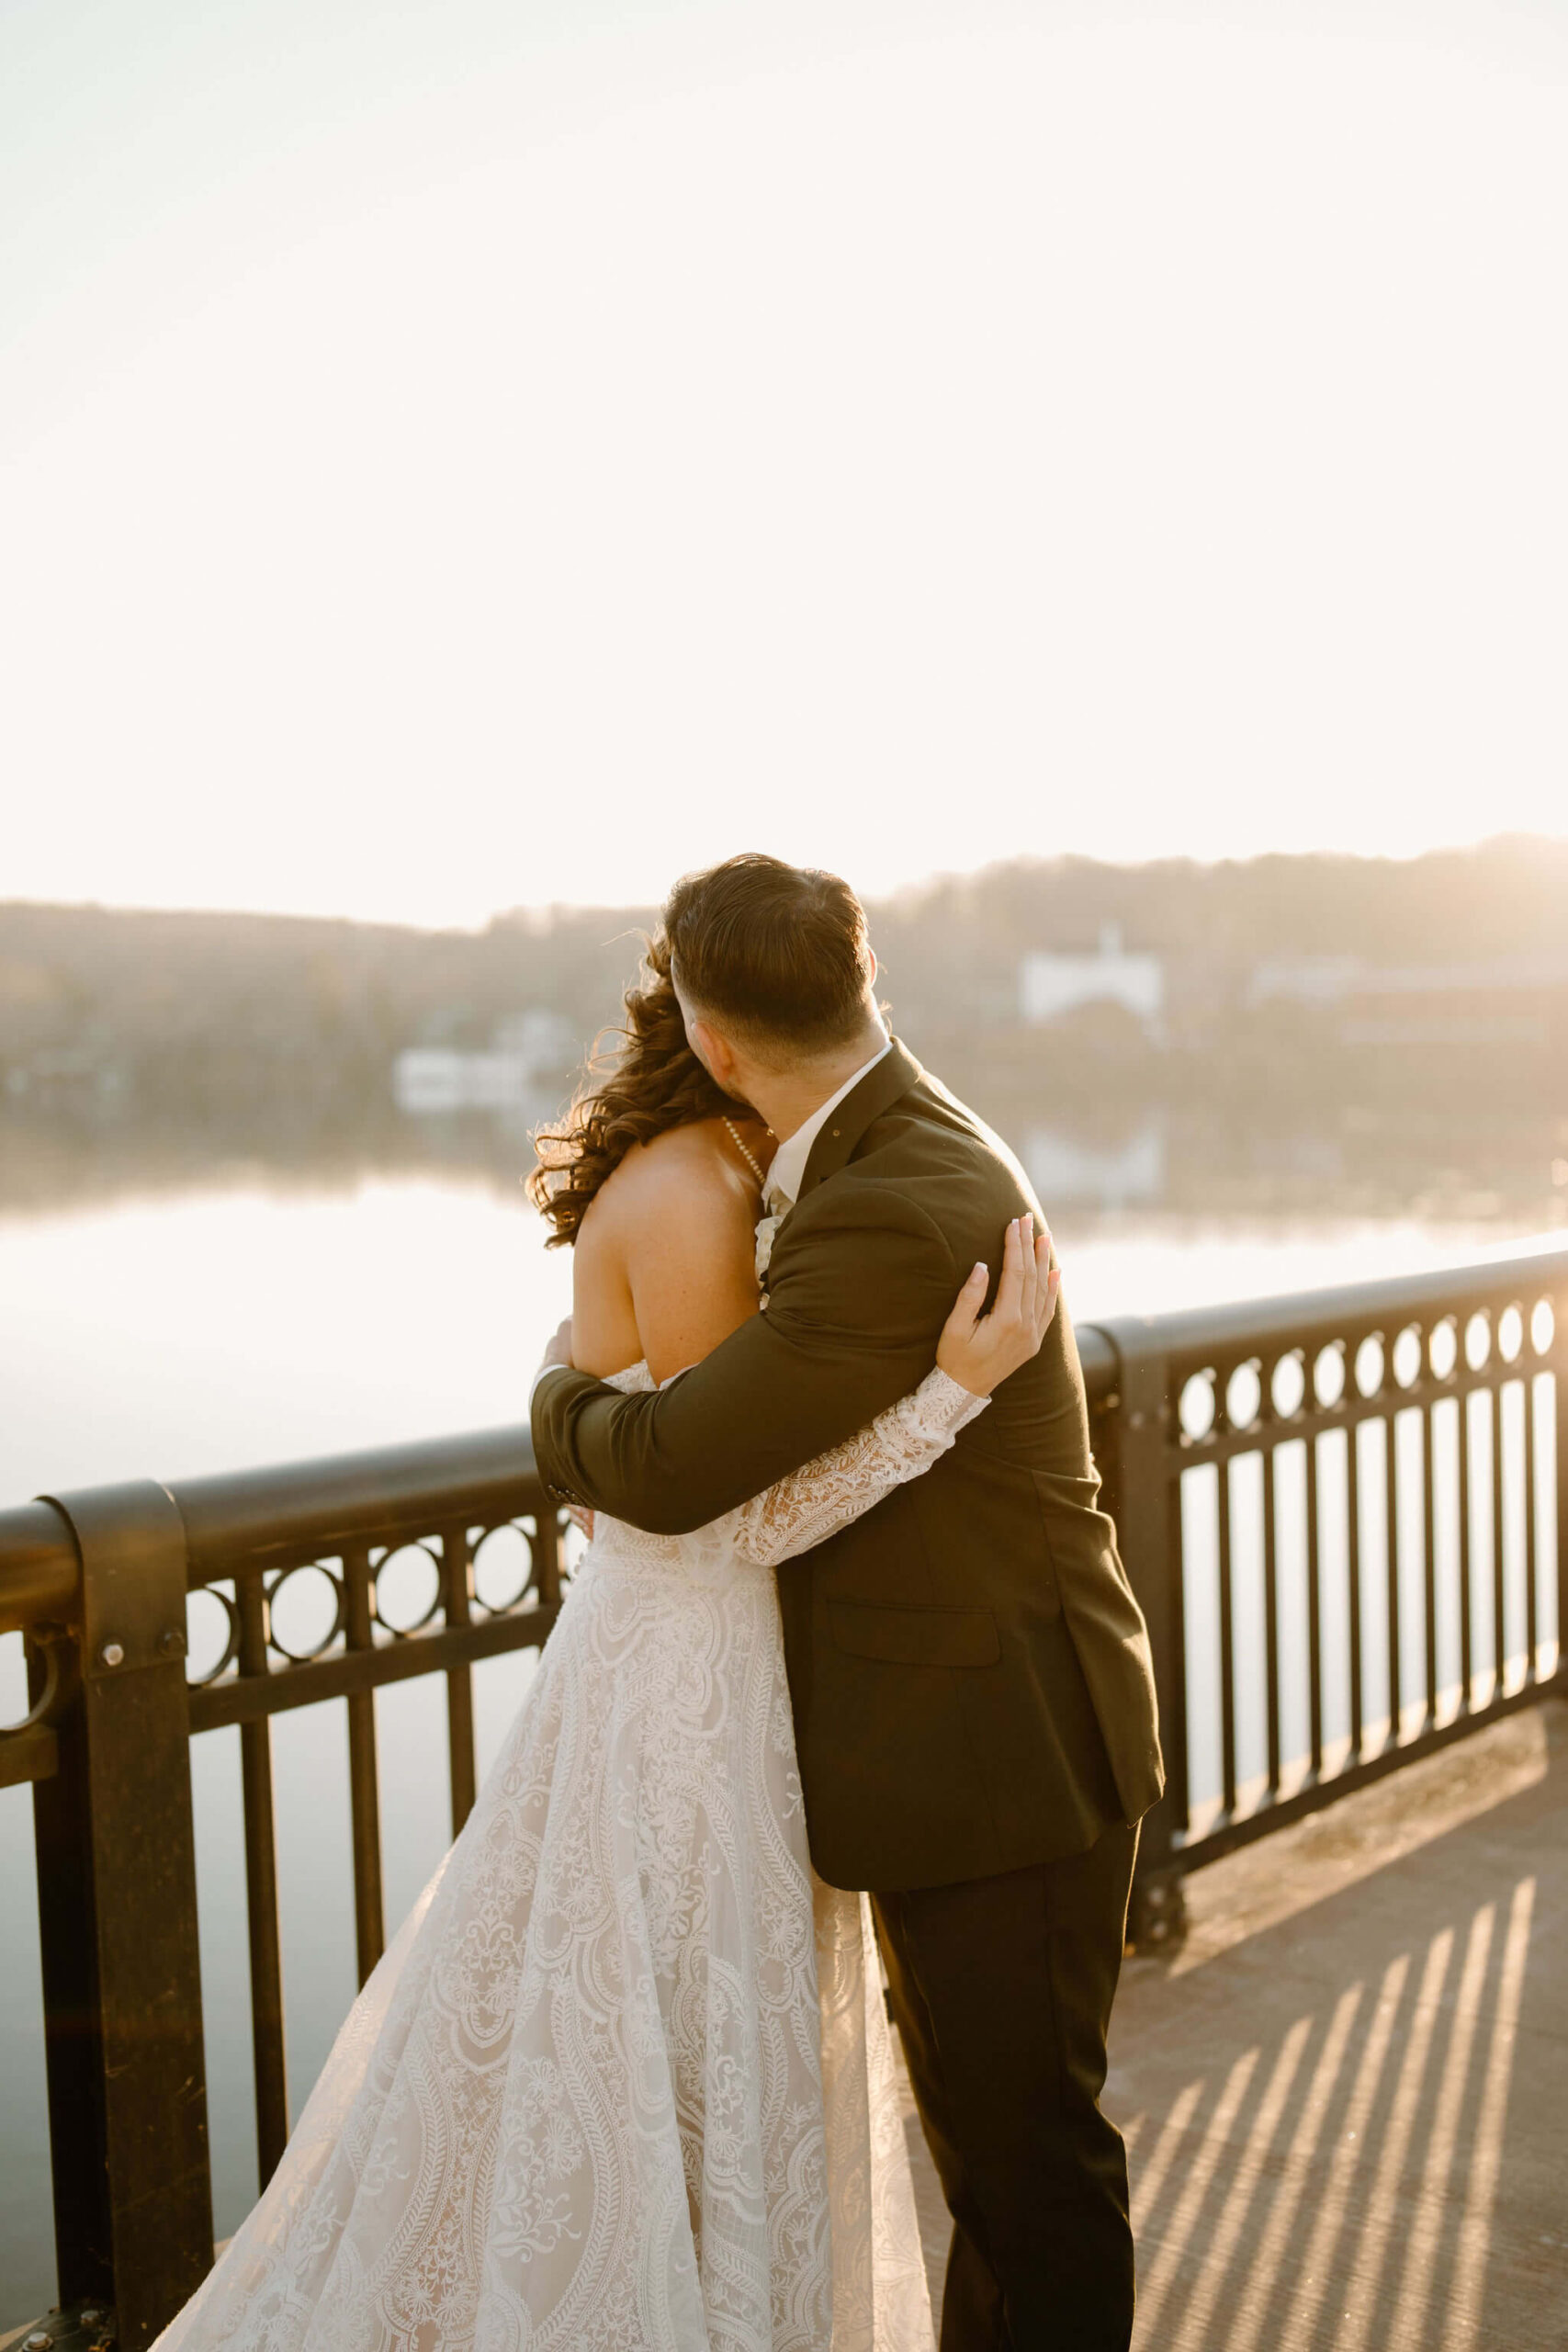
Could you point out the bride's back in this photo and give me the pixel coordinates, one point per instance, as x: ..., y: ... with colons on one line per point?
x: 663, y: 1266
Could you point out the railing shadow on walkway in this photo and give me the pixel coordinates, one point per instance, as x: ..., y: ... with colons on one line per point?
x: 1346, y: 2128
x: 1343, y: 2100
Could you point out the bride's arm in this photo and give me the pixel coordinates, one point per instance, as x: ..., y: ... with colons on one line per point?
x: 821, y: 1497
x: 976, y: 1351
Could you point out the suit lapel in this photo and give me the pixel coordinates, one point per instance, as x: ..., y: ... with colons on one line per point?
x: 894, y: 1075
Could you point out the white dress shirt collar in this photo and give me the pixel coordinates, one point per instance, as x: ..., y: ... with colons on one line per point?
x: 788, y: 1169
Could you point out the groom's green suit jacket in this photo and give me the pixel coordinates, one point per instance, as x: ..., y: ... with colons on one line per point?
x: 969, y: 1671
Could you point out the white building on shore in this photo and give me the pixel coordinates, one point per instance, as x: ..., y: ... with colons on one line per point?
x: 1050, y: 984
x: 524, y: 1050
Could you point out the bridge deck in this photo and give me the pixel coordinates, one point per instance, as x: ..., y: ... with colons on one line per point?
x: 1346, y: 2098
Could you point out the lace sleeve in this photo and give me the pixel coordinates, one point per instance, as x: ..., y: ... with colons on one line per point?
x: 821, y: 1497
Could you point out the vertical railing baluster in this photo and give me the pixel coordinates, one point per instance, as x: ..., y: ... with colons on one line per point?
x: 1466, y: 1658
x: 1353, y: 1566
x: 1560, y: 1465
x: 1227, y: 1642
x: 1395, y: 1637
x: 1532, y: 1565
x: 455, y: 1605
x: 1271, y: 1615
x: 1314, y: 1610
x: 364, y: 1811
x: 1429, y: 1559
x: 546, y: 1550
x: 267, y: 2051
x: 1499, y: 1631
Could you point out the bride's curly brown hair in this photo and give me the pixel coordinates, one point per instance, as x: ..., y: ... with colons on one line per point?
x: 648, y: 1083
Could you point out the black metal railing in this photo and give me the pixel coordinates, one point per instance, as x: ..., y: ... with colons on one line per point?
x: 1346, y: 1515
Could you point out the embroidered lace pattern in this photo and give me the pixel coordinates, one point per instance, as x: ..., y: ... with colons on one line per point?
x: 623, y: 2081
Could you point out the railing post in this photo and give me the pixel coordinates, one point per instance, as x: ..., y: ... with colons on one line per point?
x: 117, y: 1929
x: 1557, y: 1364
x: 1145, y: 1501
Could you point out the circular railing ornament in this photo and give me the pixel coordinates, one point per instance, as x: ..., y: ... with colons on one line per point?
x: 297, y: 1612
x: 1478, y: 1339
x: 406, y: 1590
x: 1243, y: 1395
x: 1198, y: 1407
x: 504, y: 1570
x: 39, y: 1711
x: 221, y: 1640
x: 1328, y: 1375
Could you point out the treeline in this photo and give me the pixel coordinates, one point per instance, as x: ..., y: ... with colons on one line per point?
x: 957, y: 943
x: 217, y: 1009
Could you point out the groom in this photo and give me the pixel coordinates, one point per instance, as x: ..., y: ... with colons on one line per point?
x: 970, y: 1674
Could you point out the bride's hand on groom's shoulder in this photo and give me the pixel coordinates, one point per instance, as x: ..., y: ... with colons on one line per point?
x: 979, y: 1351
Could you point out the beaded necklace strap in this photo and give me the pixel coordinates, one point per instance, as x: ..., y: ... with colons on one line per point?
x: 752, y: 1162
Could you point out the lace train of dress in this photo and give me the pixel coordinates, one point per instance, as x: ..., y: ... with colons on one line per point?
x: 622, y: 2082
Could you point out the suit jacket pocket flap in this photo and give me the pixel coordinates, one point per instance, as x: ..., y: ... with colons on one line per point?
x: 921, y: 1636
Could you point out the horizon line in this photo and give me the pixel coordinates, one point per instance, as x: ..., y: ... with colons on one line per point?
x: 901, y: 895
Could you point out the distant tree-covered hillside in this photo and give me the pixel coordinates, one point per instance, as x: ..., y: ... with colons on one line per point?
x: 221, y: 1007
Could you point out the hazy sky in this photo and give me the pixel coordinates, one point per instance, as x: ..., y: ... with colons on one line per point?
x: 489, y: 451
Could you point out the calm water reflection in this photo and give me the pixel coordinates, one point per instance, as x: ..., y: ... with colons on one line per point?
x: 196, y: 1330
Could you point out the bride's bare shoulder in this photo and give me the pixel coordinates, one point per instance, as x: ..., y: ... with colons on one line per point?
x: 695, y: 1168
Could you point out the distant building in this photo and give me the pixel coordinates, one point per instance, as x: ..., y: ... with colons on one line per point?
x: 1302, y: 979
x: 1514, y: 1000
x: 1050, y: 985
x: 526, y: 1048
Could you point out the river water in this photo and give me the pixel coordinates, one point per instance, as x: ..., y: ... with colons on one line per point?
x: 243, y: 1323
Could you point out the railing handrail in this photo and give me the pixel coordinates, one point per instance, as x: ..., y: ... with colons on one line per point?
x: 1182, y: 1332
x: 278, y: 1506
x: 275, y: 1507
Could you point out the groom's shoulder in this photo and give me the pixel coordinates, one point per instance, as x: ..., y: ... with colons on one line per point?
x: 930, y: 1127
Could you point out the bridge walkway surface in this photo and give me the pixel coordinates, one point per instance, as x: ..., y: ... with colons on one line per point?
x: 1345, y: 2097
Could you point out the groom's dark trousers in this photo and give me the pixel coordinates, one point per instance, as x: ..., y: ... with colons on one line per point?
x: 1001, y: 1991
x: 970, y: 1676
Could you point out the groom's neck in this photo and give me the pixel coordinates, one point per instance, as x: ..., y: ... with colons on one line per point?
x: 787, y: 1098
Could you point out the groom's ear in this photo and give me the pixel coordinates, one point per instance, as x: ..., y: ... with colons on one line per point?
x: 712, y: 1050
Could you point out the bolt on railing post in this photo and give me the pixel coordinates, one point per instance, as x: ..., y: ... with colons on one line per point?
x: 1145, y: 1501
x: 117, y: 1929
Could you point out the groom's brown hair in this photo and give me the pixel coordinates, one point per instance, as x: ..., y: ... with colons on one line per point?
x: 778, y: 952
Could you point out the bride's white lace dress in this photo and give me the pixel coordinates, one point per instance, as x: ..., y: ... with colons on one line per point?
x: 623, y: 2081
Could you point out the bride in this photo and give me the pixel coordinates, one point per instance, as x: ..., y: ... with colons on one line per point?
x: 622, y: 2082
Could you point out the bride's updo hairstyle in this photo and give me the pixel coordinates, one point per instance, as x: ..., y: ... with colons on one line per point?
x: 644, y: 1080
x: 775, y: 955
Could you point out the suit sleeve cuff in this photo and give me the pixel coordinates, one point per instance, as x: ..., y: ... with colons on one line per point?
x: 543, y: 1374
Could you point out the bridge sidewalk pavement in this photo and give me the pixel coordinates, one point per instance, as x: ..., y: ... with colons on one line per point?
x: 1346, y: 2098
